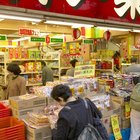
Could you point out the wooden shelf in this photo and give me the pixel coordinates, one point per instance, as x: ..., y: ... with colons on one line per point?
x: 103, y: 69
x: 10, y: 60
x: 37, y: 84
x: 36, y: 72
x: 50, y: 59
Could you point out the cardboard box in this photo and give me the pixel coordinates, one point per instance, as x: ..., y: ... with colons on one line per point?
x: 107, y: 123
x: 22, y: 114
x: 40, y: 133
x: 18, y: 103
x: 115, y: 108
x: 125, y: 123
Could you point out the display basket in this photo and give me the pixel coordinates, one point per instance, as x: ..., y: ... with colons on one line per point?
x: 4, y: 111
x: 11, y: 129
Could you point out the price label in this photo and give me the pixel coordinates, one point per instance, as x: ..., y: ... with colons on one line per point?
x: 127, y: 110
x: 116, y: 127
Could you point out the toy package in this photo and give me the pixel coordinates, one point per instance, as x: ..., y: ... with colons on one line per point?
x: 38, y: 66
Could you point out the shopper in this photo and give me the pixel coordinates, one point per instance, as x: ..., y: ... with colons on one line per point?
x: 135, y: 110
x: 70, y: 72
x: 73, y: 116
x: 47, y: 73
x: 134, y: 68
x: 16, y: 85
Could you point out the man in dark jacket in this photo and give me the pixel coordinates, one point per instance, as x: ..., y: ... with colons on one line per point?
x: 73, y: 117
x: 47, y: 73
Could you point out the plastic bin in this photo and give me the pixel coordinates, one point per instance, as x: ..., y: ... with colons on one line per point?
x: 11, y: 129
x: 4, y: 111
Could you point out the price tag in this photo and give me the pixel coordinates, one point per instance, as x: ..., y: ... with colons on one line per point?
x: 127, y: 110
x: 116, y: 127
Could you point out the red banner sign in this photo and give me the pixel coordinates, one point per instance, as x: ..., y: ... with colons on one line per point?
x: 30, y: 32
x: 117, y: 10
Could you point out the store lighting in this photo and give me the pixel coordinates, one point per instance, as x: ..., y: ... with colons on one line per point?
x: 20, y: 18
x: 1, y: 19
x: 137, y: 31
x: 74, y: 25
x: 21, y: 39
x: 113, y: 28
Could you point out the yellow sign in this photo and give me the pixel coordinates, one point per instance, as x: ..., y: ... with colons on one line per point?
x: 84, y: 71
x: 116, y: 127
x: 127, y: 110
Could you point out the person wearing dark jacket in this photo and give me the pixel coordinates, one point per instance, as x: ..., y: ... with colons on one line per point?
x: 47, y: 73
x: 73, y: 117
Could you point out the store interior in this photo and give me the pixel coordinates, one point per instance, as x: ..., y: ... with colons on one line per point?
x: 27, y: 43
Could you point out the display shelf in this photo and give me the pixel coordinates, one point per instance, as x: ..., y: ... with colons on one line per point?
x: 64, y: 68
x: 103, y: 69
x: 10, y: 60
x: 36, y: 84
x: 125, y: 64
x: 50, y: 59
x: 34, y: 72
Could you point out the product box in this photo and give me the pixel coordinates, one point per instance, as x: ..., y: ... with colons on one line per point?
x: 11, y: 53
x: 31, y: 66
x: 38, y: 66
x: 34, y: 101
x: 37, y: 54
x: 107, y: 123
x: 22, y: 114
x: 24, y: 53
x: 39, y: 133
x: 125, y: 123
x: 114, y: 108
x: 31, y: 54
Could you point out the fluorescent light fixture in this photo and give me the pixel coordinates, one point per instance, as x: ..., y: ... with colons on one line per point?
x: 74, y: 25
x: 20, y: 18
x: 113, y: 28
x: 137, y: 31
x: 21, y: 39
x: 1, y: 19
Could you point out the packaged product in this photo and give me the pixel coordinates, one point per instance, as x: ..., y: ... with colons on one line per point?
x: 11, y: 53
x: 37, y: 54
x: 38, y: 66
x: 31, y: 54
x: 31, y: 66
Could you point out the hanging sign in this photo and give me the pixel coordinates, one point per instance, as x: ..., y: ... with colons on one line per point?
x: 3, y: 37
x: 84, y: 71
x: 37, y: 39
x: 56, y: 40
x: 88, y: 41
x: 29, y: 32
x: 116, y: 127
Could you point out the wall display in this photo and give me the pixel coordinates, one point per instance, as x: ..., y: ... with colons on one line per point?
x: 116, y: 10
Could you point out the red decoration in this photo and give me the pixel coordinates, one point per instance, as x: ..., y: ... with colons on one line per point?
x: 107, y: 35
x: 47, y: 39
x: 76, y: 33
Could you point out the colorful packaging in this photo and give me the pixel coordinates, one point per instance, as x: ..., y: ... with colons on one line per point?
x: 31, y: 54
x: 30, y: 66
x: 37, y: 54
x: 38, y: 66
x: 11, y: 56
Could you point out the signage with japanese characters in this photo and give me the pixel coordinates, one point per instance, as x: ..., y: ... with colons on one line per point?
x: 38, y: 39
x: 84, y: 71
x: 116, y: 10
x: 30, y: 32
x: 3, y: 37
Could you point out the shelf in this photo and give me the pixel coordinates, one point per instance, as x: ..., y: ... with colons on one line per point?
x: 103, y: 69
x: 37, y: 84
x: 125, y: 64
x: 36, y: 72
x: 55, y: 67
x: 56, y: 75
x: 24, y: 60
x: 50, y: 59
x: 64, y: 68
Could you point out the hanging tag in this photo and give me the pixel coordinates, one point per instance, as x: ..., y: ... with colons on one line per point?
x: 116, y: 127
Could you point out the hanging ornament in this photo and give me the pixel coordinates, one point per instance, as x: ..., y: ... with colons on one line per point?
x: 107, y: 35
x: 76, y: 33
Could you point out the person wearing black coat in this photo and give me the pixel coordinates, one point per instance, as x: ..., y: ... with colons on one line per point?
x: 73, y: 117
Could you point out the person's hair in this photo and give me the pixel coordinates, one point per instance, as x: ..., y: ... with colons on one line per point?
x: 133, y: 60
x: 62, y: 91
x: 43, y: 63
x: 14, y: 68
x: 73, y: 62
x: 136, y: 79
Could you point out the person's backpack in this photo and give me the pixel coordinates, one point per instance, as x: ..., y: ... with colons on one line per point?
x: 89, y: 133
x: 135, y: 98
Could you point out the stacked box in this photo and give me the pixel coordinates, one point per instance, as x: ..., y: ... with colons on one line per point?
x: 21, y: 107
x: 114, y: 110
x: 39, y: 133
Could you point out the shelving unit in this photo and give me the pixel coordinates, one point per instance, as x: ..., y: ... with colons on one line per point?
x: 104, y: 65
x: 53, y: 60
